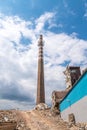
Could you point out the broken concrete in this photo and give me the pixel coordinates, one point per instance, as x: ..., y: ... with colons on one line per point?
x: 41, y: 106
x: 36, y: 120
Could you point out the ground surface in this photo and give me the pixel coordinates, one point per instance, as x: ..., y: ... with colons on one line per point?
x: 36, y: 120
x: 43, y: 120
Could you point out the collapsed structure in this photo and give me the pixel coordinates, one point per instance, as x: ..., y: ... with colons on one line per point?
x: 72, y: 74
x: 73, y: 100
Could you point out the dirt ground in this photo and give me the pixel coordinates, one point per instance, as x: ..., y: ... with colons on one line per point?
x: 35, y: 120
x: 43, y: 120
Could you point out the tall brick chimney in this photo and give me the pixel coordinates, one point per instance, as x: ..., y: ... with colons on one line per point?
x: 40, y: 80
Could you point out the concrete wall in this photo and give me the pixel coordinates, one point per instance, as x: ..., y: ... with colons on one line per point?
x: 79, y: 109
x: 76, y: 101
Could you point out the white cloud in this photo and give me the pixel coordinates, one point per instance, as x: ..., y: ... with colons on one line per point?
x: 40, y: 22
x: 8, y: 104
x: 18, y: 62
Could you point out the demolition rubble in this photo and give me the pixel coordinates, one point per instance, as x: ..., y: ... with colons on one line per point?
x: 37, y: 119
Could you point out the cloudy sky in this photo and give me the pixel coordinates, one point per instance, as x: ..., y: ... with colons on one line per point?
x: 63, y: 24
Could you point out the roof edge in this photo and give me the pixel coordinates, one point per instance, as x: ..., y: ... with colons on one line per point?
x: 84, y: 72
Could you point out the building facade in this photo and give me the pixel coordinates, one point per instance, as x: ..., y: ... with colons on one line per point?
x: 57, y: 96
x: 72, y: 74
x: 75, y: 100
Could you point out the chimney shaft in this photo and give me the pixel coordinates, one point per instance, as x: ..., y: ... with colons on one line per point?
x: 40, y: 80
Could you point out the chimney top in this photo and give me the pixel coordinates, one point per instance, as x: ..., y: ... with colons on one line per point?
x: 40, y: 42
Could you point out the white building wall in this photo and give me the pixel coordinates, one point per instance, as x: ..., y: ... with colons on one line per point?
x: 79, y: 109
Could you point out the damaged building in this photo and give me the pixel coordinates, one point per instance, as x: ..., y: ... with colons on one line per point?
x: 73, y: 100
x: 72, y: 74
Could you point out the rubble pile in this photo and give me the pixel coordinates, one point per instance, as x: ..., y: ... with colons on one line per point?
x: 78, y: 126
x: 7, y: 116
x: 41, y: 106
x: 12, y: 117
x: 40, y: 118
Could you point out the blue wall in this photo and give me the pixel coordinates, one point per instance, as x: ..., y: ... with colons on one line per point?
x: 78, y: 91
